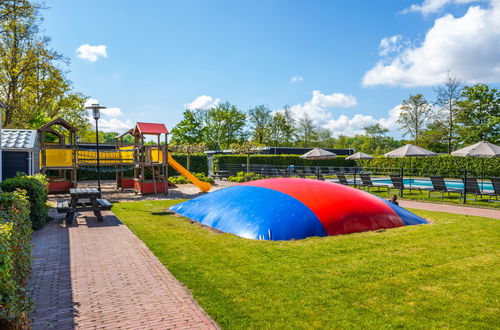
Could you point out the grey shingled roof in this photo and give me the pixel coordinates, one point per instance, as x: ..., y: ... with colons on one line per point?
x: 18, y: 138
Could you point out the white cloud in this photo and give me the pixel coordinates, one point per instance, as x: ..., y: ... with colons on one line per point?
x: 203, y: 102
x: 112, y: 112
x: 318, y: 109
x: 467, y: 46
x: 432, y: 6
x: 391, y: 44
x: 296, y: 79
x: 115, y: 125
x: 343, y: 125
x: 91, y: 101
x: 91, y: 53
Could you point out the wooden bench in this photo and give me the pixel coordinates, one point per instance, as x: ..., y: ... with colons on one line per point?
x: 63, y: 207
x: 104, y: 204
x: 221, y: 174
x: 83, y: 205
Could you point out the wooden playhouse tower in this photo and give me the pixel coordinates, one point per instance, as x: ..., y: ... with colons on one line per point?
x: 126, y: 155
x: 151, y: 159
x: 59, y: 156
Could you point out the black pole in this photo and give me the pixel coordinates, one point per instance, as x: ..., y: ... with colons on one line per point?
x: 465, y: 186
x: 97, y: 151
x: 354, y: 176
x: 402, y: 178
x: 482, y: 173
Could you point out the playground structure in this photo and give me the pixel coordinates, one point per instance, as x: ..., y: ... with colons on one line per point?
x: 286, y: 209
x: 149, y: 159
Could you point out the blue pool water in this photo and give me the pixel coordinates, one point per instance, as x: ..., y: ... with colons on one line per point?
x: 428, y: 183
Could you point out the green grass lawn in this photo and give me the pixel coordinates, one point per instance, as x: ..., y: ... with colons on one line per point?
x: 444, y: 274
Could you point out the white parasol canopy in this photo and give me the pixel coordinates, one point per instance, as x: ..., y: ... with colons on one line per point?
x: 480, y: 149
x: 409, y: 150
x: 318, y: 154
x: 359, y: 155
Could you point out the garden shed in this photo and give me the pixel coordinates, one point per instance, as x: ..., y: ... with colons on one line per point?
x: 19, y: 152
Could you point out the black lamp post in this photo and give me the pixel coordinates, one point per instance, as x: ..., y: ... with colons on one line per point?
x: 96, y: 112
x: 2, y: 106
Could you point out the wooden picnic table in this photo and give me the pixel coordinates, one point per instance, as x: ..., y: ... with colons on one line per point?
x: 84, y: 199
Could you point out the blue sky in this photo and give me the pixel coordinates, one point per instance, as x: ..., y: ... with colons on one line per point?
x: 353, y: 61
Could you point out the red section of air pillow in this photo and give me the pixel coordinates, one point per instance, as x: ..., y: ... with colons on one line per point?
x: 341, y: 209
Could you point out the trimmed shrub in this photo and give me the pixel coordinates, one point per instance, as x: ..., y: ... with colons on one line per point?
x: 244, y: 177
x: 278, y: 160
x: 182, y: 180
x: 446, y: 165
x: 15, y: 259
x: 37, y: 190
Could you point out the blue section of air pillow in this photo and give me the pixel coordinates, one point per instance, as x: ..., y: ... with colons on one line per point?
x: 253, y: 212
x: 406, y: 216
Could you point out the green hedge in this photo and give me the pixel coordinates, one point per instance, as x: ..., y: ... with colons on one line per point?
x: 278, y: 160
x: 446, y: 165
x: 198, y: 163
x: 15, y: 259
x: 37, y: 190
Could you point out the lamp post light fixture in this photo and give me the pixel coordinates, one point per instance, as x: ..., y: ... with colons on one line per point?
x: 96, y: 113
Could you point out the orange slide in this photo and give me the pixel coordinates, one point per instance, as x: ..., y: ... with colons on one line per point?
x: 203, y: 186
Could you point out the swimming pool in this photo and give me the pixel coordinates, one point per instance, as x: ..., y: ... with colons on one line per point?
x: 427, y: 183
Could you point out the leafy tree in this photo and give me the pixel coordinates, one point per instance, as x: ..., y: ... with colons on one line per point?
x: 307, y: 131
x: 246, y: 148
x: 190, y: 129
x: 447, y: 100
x: 415, y: 112
x: 276, y: 129
x: 435, y: 137
x: 289, y: 129
x: 282, y: 130
x: 260, y: 119
x: 479, y: 116
x: 189, y: 149
x: 224, y: 125
x: 376, y: 132
x: 323, y: 137
x: 32, y: 82
x: 217, y: 127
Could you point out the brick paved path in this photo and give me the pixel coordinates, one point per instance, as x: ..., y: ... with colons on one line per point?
x: 99, y: 275
x: 457, y: 209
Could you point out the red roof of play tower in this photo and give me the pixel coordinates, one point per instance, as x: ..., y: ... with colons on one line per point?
x: 150, y: 128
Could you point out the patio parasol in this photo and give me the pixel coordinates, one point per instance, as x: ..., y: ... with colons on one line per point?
x: 481, y: 149
x: 358, y: 155
x: 318, y: 154
x: 410, y: 151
